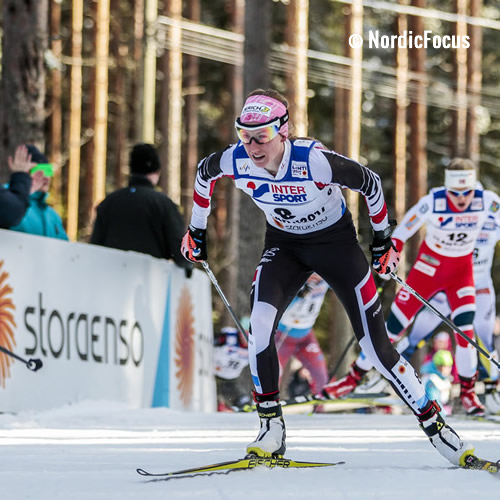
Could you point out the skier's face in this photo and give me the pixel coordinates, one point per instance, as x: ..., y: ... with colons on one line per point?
x: 460, y: 199
x: 267, y: 155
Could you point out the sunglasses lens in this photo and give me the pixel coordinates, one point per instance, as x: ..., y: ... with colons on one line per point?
x: 260, y: 135
x: 460, y: 193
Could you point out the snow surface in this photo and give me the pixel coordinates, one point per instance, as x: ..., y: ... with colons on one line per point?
x: 90, y: 450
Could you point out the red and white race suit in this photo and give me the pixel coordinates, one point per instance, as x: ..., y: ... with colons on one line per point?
x: 444, y: 263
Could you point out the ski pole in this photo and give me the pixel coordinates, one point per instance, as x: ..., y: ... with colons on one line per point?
x: 213, y: 279
x: 342, y: 357
x: 33, y: 364
x: 445, y: 320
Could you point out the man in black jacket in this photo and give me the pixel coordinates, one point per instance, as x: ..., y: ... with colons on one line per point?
x: 14, y: 200
x: 138, y: 217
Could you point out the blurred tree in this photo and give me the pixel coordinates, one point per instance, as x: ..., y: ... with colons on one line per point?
x: 55, y: 111
x: 23, y: 84
x: 75, y: 110
x: 474, y: 76
x: 256, y: 75
x: 418, y: 123
x: 190, y: 142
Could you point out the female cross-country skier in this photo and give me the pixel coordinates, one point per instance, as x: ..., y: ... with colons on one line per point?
x: 297, y: 183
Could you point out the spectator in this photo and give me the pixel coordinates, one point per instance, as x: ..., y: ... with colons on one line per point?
x: 14, y: 199
x: 40, y: 218
x: 440, y: 341
x: 437, y: 378
x: 138, y: 217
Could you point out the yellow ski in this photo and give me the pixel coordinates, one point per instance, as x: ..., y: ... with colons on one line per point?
x: 246, y: 463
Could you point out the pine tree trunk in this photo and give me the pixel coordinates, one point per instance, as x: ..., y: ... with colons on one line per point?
x: 22, y: 87
x: 400, y: 128
x: 474, y: 82
x: 418, y: 125
x: 56, y: 108
x: 256, y: 75
x: 75, y: 119
x: 297, y: 37
x: 190, y: 156
x: 229, y: 276
x: 459, y: 123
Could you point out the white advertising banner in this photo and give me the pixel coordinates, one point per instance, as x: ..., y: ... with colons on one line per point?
x: 185, y: 367
x: 99, y: 319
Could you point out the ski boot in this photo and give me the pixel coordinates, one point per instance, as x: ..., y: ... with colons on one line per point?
x: 345, y: 385
x: 271, y: 439
x: 469, y: 398
x: 446, y: 441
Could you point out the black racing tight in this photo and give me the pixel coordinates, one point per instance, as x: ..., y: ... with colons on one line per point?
x: 334, y: 253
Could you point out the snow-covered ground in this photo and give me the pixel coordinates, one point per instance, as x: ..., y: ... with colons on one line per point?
x: 91, y: 450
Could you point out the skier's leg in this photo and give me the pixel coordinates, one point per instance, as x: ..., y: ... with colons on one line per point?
x: 286, y: 347
x: 355, y: 287
x: 311, y: 356
x: 277, y: 279
x: 423, y: 325
x: 403, y: 310
x: 461, y: 297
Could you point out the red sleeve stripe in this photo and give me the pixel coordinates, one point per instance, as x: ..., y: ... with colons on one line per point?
x: 212, y: 187
x: 377, y: 219
x: 200, y: 200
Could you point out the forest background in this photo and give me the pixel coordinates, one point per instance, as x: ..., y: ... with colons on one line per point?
x: 85, y: 80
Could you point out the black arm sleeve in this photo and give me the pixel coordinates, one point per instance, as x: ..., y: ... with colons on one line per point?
x: 14, y: 200
x: 351, y: 174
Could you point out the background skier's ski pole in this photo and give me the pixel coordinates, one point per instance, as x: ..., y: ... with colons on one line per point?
x: 445, y: 320
x: 213, y: 279
x: 33, y: 364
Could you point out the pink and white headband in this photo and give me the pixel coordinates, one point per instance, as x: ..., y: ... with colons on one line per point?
x: 261, y: 109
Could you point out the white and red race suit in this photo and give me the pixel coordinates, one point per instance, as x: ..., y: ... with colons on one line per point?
x: 309, y: 229
x: 444, y: 263
x: 484, y: 319
x: 296, y: 337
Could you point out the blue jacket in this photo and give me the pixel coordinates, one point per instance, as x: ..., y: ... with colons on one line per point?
x: 436, y: 385
x: 41, y: 219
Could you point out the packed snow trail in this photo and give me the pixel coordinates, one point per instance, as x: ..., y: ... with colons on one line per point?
x: 91, y: 450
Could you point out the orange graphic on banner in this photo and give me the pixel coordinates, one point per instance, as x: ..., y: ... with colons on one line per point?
x: 184, y: 348
x: 7, y: 324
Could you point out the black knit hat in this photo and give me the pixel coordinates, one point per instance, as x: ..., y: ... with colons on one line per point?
x: 143, y: 159
x: 36, y: 156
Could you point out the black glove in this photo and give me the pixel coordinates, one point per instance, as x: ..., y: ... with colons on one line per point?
x: 194, y: 244
x: 385, y: 256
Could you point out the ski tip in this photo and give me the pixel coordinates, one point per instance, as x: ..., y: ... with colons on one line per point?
x: 142, y: 472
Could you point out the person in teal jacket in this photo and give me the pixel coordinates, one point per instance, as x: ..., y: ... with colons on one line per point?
x: 40, y: 218
x: 437, y: 379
